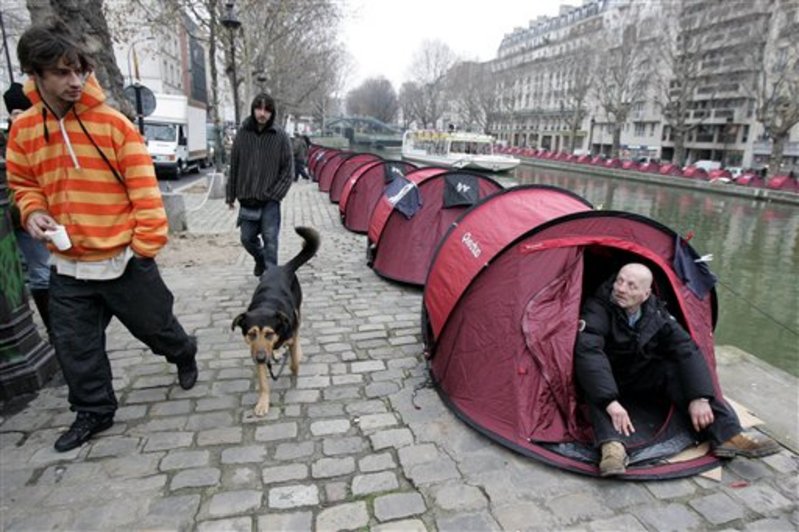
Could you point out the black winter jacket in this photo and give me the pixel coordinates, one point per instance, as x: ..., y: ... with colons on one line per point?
x: 610, y: 355
x: 261, y: 165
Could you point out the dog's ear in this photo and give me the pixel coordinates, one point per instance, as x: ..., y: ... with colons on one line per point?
x: 284, y: 325
x: 237, y: 322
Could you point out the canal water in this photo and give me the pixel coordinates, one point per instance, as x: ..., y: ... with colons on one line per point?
x: 755, y: 247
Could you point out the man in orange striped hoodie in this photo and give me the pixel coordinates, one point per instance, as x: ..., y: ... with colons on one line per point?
x: 73, y: 161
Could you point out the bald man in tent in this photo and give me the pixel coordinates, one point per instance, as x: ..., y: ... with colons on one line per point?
x: 629, y: 345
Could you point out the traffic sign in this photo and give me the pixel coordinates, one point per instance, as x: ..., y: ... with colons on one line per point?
x: 146, y: 96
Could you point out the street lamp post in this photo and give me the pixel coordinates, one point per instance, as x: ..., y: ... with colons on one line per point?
x: 232, y: 23
x: 591, y: 136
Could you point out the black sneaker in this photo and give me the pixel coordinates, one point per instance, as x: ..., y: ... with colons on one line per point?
x: 85, y: 425
x: 187, y: 373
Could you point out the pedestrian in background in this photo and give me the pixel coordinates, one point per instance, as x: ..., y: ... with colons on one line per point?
x: 300, y: 150
x: 261, y: 173
x: 34, y: 252
x: 76, y: 164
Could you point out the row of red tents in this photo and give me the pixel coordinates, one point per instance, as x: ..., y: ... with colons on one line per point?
x: 747, y: 179
x: 504, y: 272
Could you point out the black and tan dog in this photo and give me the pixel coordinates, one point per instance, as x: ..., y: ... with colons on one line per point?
x: 273, y: 318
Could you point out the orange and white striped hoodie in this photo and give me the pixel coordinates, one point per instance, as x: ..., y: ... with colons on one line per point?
x: 52, y: 165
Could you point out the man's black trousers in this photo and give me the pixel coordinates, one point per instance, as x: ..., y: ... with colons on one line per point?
x: 80, y: 312
x: 662, y: 381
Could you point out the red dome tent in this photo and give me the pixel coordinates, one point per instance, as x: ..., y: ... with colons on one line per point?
x: 349, y: 165
x: 363, y: 189
x: 412, y: 215
x: 318, y: 160
x: 328, y: 169
x: 783, y: 182
x: 500, y: 318
x: 312, y: 150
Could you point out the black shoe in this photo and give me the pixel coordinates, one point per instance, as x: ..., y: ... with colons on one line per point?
x: 187, y: 373
x: 85, y: 425
x: 259, y: 270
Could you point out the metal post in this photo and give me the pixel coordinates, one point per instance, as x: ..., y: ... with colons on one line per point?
x: 26, y: 361
x: 139, y: 108
x: 231, y: 22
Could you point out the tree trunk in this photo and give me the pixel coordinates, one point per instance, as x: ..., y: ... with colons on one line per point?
x: 219, y: 147
x: 614, y: 153
x: 87, y: 21
x: 679, y: 147
x: 775, y: 158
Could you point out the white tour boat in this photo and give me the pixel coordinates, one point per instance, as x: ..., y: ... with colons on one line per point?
x: 455, y: 149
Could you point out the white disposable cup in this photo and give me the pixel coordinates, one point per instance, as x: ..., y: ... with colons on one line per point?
x: 59, y: 237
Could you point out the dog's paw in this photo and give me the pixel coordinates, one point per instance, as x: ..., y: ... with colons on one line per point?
x: 261, y: 409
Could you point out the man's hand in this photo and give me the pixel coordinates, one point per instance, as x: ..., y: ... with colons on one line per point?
x: 701, y: 413
x: 231, y: 205
x: 620, y: 417
x: 38, y: 223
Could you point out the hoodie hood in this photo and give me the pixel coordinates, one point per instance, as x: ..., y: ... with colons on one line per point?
x: 250, y: 124
x: 261, y: 100
x: 92, y: 95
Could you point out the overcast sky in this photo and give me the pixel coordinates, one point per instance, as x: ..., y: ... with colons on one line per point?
x: 383, y: 35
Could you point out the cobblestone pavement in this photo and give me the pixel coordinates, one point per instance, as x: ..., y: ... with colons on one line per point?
x: 343, y: 447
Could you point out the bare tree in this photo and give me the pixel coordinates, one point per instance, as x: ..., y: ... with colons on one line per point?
x: 623, y: 73
x: 86, y: 19
x: 682, y: 70
x: 509, y: 96
x: 324, y: 97
x: 409, y: 98
x: 579, y: 71
x: 488, y: 97
x: 429, y: 68
x: 290, y: 47
x: 375, y: 97
x: 283, y: 47
x: 776, y: 84
x: 470, y: 92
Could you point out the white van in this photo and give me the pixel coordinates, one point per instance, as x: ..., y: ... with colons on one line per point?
x: 707, y: 165
x: 176, y: 135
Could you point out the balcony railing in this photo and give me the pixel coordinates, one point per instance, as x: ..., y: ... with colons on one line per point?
x: 764, y: 147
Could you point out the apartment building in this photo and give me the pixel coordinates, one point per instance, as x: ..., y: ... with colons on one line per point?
x: 535, y: 68
x: 538, y: 67
x: 164, y: 56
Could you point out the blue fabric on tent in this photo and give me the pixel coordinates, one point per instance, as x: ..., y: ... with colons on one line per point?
x: 392, y: 171
x: 404, y: 196
x: 460, y: 190
x: 696, y: 275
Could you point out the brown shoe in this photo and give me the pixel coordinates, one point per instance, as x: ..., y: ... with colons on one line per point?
x: 614, y: 459
x: 748, y: 446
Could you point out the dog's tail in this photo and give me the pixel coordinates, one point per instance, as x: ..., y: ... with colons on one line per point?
x: 309, y: 247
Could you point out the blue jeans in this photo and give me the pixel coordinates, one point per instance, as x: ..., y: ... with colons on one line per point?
x: 36, y: 258
x: 263, y: 249
x: 299, y: 169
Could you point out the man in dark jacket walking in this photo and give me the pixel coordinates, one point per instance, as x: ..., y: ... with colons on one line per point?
x: 261, y: 173
x: 629, y: 346
x: 300, y: 149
